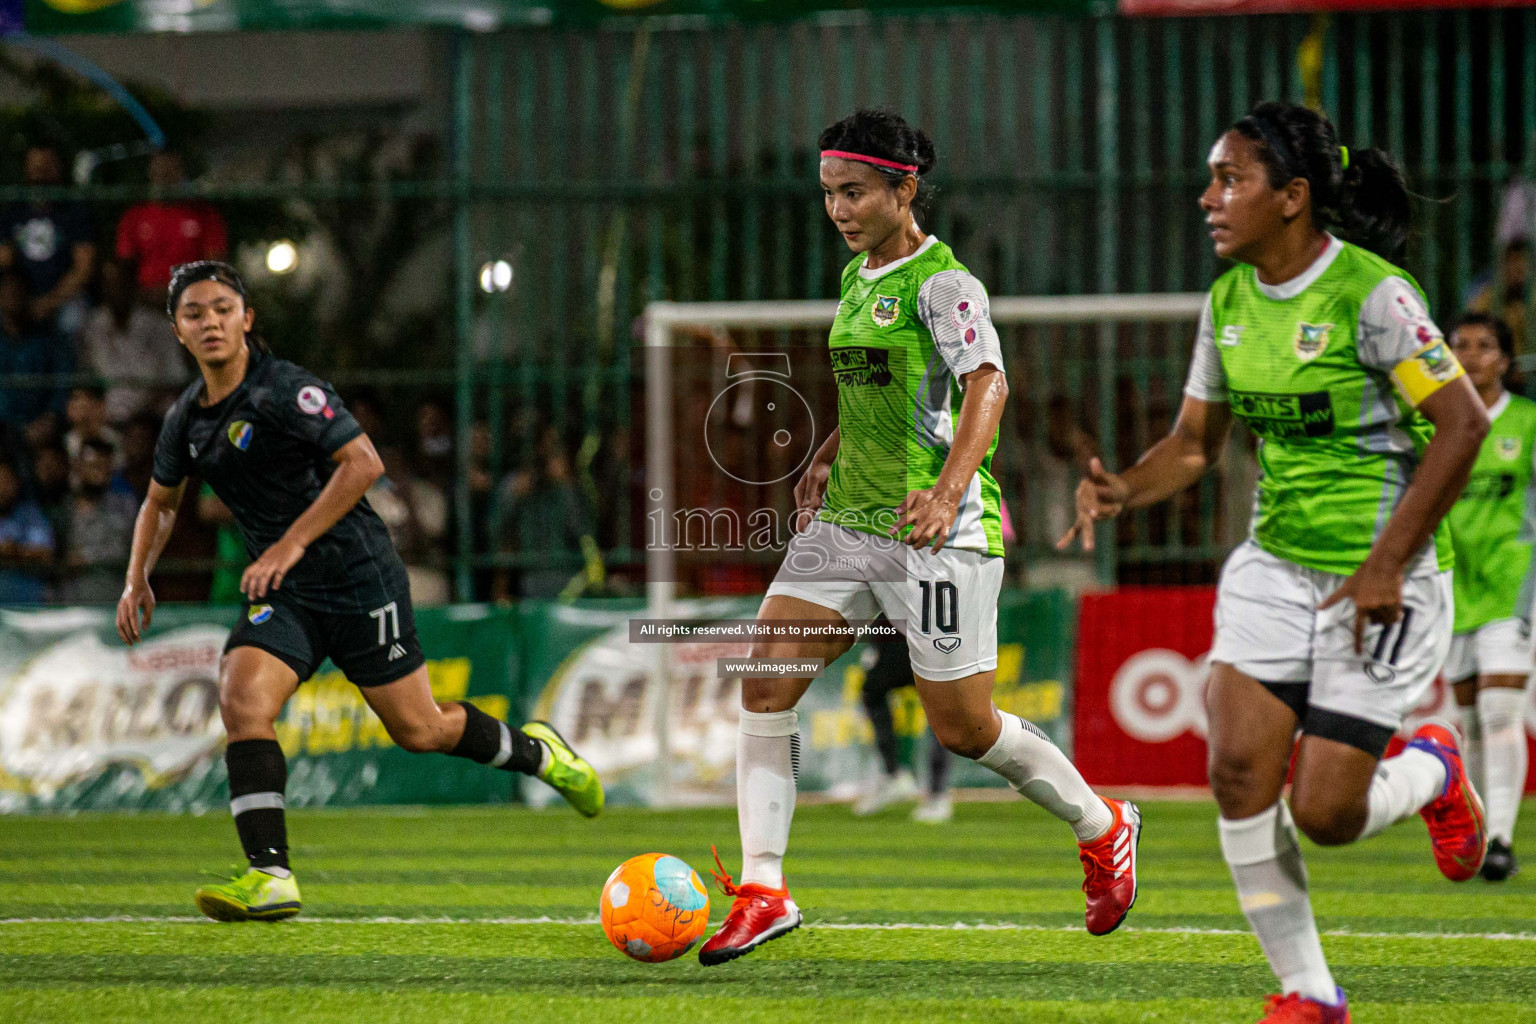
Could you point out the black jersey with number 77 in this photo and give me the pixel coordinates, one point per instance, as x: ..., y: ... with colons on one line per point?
x: 266, y: 450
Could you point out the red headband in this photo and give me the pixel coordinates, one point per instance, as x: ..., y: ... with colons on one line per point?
x: 843, y: 154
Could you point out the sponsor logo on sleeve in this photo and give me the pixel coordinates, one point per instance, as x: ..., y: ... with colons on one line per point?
x: 259, y: 613
x: 1406, y: 307
x: 240, y: 434
x: 311, y: 400
x: 885, y: 310
x: 1310, y: 340
x: 965, y: 312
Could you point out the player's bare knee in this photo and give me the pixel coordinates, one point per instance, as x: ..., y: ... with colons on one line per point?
x: 963, y: 738
x: 1234, y: 779
x: 1327, y: 824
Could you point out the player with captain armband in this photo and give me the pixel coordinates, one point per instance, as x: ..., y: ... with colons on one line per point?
x: 1334, y: 617
x: 1492, y: 527
x: 899, y: 513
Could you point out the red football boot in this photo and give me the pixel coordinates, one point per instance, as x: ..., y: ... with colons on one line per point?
x: 1109, y: 869
x: 758, y: 915
x: 1293, y: 1009
x: 1457, y: 831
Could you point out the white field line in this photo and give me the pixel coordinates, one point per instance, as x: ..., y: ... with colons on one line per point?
x: 896, y: 926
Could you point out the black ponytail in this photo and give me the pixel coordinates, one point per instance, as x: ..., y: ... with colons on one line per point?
x: 1362, y: 197
x: 185, y: 275
x: 885, y: 135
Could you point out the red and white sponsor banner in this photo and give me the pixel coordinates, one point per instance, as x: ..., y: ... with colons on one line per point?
x: 1141, y: 675
x: 1202, y: 8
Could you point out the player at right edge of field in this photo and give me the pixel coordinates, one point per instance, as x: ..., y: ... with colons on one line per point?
x: 1334, y: 617
x: 1492, y: 527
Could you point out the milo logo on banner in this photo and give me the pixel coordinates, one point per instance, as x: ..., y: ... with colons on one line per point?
x: 79, y: 708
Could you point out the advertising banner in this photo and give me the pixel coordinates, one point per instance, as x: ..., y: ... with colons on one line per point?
x: 596, y: 687
x: 1201, y: 8
x: 87, y: 723
x: 56, y: 16
x: 1141, y: 676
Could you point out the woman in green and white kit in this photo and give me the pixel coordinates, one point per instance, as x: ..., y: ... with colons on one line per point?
x: 1492, y: 527
x: 1334, y: 617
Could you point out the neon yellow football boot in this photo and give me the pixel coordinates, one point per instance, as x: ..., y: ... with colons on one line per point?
x: 253, y: 896
x: 567, y: 772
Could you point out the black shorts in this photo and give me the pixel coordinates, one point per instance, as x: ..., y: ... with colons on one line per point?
x: 370, y: 648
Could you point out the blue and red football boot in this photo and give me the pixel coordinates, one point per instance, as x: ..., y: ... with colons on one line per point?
x: 1457, y: 830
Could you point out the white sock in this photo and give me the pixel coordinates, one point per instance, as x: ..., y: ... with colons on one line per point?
x: 1037, y: 768
x: 1501, y: 710
x: 1402, y: 785
x: 1472, y: 744
x: 1265, y: 860
x: 276, y: 872
x: 765, y: 792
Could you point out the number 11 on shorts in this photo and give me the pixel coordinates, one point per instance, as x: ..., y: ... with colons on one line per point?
x: 389, y: 613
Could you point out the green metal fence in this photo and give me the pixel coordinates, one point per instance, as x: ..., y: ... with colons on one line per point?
x: 610, y: 166
x: 650, y: 161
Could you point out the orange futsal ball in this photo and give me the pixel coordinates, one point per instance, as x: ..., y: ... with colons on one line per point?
x: 654, y: 908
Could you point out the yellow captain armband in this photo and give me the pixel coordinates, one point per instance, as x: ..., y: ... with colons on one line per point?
x: 1426, y: 371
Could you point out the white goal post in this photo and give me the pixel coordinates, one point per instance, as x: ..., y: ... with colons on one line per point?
x: 665, y: 321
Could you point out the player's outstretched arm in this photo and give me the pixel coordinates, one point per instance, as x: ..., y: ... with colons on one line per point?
x: 357, y: 467
x: 1175, y: 462
x: 151, y: 531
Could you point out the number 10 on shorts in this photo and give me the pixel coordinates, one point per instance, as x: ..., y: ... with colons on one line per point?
x: 941, y: 605
x: 390, y: 614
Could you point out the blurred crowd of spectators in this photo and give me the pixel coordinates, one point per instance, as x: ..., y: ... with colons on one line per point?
x: 89, y: 365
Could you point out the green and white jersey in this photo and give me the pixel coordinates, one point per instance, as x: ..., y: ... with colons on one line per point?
x: 904, y: 336
x: 1310, y: 366
x: 1493, y: 523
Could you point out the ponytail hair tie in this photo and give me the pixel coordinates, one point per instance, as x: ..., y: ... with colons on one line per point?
x: 1344, y: 157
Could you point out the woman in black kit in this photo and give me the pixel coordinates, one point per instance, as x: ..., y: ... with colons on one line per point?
x: 280, y: 450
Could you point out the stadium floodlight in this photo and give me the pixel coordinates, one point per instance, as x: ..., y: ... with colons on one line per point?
x: 667, y: 322
x: 282, y: 257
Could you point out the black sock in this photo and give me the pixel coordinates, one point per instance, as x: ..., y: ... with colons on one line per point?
x: 258, y: 774
x: 939, y: 761
x: 496, y: 744
x: 883, y: 677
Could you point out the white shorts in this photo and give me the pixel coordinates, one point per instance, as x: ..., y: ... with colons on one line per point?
x: 1499, y: 648
x: 945, y: 604
x: 1268, y: 626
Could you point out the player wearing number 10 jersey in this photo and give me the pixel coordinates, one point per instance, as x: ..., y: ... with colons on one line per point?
x: 281, y: 451
x: 904, y: 520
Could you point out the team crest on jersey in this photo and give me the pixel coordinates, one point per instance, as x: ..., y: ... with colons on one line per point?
x: 259, y: 613
x: 1509, y: 447
x: 240, y: 434
x: 1438, y: 362
x: 1310, y: 340
x: 885, y: 310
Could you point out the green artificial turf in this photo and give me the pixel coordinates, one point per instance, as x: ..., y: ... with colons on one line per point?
x: 424, y: 914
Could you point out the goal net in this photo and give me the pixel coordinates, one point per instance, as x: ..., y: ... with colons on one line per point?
x: 738, y: 396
